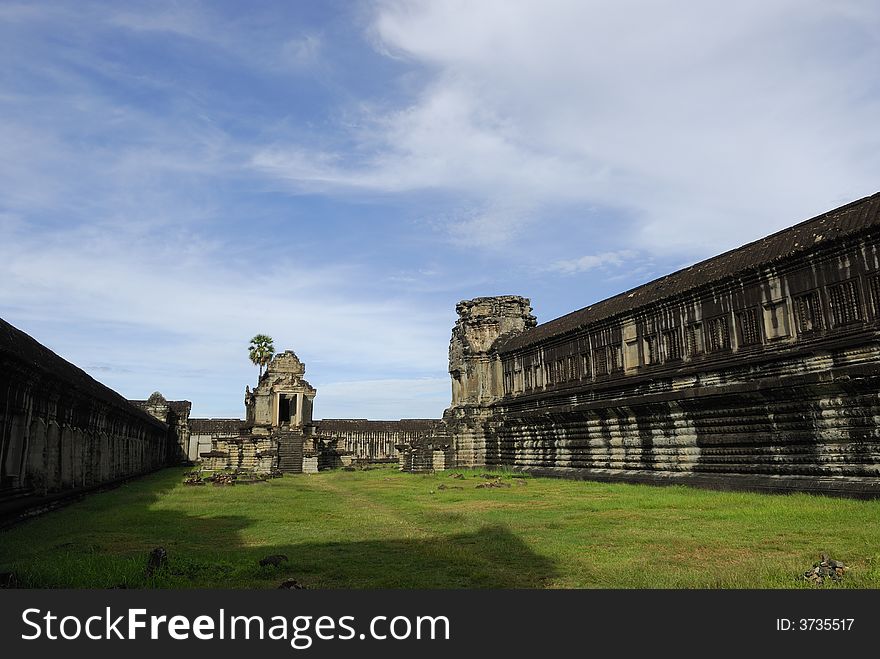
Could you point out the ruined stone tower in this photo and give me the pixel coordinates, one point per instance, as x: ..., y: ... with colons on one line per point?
x: 282, y: 399
x: 476, y: 369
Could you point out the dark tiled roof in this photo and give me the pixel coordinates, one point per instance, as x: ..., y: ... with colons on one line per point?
x: 215, y: 426
x: 847, y: 220
x: 19, y: 347
x: 179, y: 407
x: 363, y: 425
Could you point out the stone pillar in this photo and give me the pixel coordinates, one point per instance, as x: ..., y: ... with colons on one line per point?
x: 475, y: 368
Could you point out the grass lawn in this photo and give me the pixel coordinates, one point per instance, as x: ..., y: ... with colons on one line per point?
x: 379, y: 528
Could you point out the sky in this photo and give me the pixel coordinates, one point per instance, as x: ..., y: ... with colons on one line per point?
x: 176, y: 177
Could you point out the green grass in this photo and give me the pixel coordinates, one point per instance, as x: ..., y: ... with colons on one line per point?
x: 380, y: 528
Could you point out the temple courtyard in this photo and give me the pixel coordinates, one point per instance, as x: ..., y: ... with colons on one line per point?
x: 380, y: 528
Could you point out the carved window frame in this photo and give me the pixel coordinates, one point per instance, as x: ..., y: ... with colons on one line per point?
x: 615, y: 358
x: 694, y: 341
x: 808, y: 308
x: 651, y: 350
x: 845, y: 303
x: 874, y: 292
x: 600, y: 361
x: 671, y: 345
x: 749, y: 322
x: 572, y: 368
x: 717, y: 333
x: 586, y: 366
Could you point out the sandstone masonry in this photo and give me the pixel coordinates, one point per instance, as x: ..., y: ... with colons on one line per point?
x: 62, y: 432
x: 757, y: 369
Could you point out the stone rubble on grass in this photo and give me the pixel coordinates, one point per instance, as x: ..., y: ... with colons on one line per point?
x: 493, y: 483
x: 455, y: 475
x: 291, y: 584
x: 223, y: 479
x: 8, y: 580
x: 157, y: 560
x: 193, y: 478
x: 274, y: 560
x: 827, y: 568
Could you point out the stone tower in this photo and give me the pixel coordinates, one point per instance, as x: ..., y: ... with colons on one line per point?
x: 282, y: 399
x: 475, y: 369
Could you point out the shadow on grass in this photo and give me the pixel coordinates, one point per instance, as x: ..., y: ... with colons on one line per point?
x: 492, y: 557
x: 103, y: 542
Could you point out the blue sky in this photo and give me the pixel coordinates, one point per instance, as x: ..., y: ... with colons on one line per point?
x: 177, y: 177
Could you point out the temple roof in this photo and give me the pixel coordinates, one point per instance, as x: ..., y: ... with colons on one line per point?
x: 848, y: 220
x: 16, y: 345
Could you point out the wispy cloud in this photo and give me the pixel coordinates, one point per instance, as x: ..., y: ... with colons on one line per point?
x: 710, y: 125
x: 592, y: 261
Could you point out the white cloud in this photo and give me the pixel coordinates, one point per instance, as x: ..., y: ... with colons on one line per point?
x: 591, y: 262
x: 708, y: 123
x: 302, y: 52
x: 160, y: 310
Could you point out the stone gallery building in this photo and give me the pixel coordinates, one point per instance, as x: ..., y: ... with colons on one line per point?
x: 758, y: 368
x: 62, y: 432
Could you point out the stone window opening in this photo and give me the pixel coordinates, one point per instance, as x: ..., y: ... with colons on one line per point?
x: 845, y: 303
x: 808, y: 313
x: 672, y: 344
x: 651, y: 355
x: 694, y: 338
x: 718, y: 334
x: 600, y: 361
x: 616, y: 358
x: 749, y: 330
x: 874, y: 286
x: 586, y: 373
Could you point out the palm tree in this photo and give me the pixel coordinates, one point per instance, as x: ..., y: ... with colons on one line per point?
x: 261, y: 351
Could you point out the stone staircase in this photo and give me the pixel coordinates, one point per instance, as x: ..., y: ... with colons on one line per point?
x: 290, y: 451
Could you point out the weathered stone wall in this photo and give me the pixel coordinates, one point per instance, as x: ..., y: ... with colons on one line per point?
x: 203, y: 431
x: 174, y: 414
x: 250, y: 453
x: 61, y: 430
x: 759, y: 368
x: 376, y: 441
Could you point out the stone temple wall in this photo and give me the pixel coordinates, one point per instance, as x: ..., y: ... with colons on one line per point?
x: 375, y: 441
x: 62, y: 431
x: 203, y: 431
x: 757, y: 369
x: 250, y: 453
x: 174, y: 414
